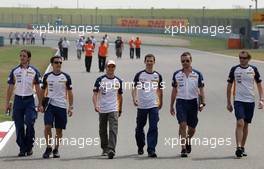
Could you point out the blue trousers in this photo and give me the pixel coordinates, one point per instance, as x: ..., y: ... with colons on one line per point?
x: 24, y: 113
x: 152, y: 135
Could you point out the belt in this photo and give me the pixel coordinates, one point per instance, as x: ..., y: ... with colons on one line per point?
x: 24, y: 97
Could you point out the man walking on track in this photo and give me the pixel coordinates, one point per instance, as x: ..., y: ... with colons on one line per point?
x: 58, y: 87
x: 102, y: 54
x: 89, y: 49
x: 22, y: 80
x: 79, y: 47
x: 65, y: 48
x: 107, y: 100
x: 137, y: 44
x: 148, y: 97
x: 243, y: 77
x: 132, y: 48
x: 188, y: 90
x: 119, y: 46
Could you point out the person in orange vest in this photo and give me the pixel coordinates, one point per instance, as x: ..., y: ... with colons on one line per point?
x: 89, y: 49
x: 137, y: 44
x: 131, y: 44
x: 102, y: 54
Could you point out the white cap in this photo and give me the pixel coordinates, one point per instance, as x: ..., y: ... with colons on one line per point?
x: 111, y: 62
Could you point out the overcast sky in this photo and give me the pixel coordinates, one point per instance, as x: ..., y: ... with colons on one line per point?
x: 132, y: 3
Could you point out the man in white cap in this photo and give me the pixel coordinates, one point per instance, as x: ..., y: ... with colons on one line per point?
x: 107, y: 100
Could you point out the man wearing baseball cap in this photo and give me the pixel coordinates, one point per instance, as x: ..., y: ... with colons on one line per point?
x: 107, y: 100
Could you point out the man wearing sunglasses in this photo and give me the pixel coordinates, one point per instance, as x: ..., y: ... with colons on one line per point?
x: 57, y: 86
x: 107, y: 100
x: 243, y: 78
x: 188, y: 90
x: 22, y: 80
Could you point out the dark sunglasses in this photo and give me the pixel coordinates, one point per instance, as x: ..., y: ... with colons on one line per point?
x: 57, y: 62
x: 187, y: 61
x: 243, y: 58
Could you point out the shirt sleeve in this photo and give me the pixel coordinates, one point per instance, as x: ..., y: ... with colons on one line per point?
x: 136, y: 79
x: 200, y: 80
x: 120, y: 90
x: 37, y: 78
x: 11, y: 78
x: 257, y: 75
x: 97, y: 85
x: 174, y: 82
x: 231, y: 76
x: 160, y: 81
x: 69, y: 83
x: 44, y: 82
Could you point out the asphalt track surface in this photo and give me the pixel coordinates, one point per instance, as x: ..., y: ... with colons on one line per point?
x: 214, y: 121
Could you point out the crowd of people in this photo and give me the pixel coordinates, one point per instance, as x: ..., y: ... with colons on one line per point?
x: 25, y: 38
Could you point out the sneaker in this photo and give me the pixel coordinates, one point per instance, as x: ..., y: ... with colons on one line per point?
x: 104, y: 153
x: 56, y: 153
x: 30, y: 152
x: 184, y: 153
x: 140, y: 151
x: 152, y: 155
x: 188, y: 148
x: 47, y: 152
x: 21, y: 154
x: 111, y: 154
x: 239, y: 152
x: 244, y: 153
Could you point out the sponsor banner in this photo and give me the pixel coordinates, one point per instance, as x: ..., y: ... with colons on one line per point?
x: 151, y: 23
x: 258, y: 17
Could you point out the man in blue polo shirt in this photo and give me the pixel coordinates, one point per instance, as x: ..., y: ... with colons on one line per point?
x: 243, y: 77
x: 21, y: 81
x: 188, y: 90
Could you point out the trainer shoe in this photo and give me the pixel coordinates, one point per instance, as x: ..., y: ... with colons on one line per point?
x: 152, y: 155
x: 239, y: 152
x: 21, y: 154
x: 140, y: 151
x: 30, y: 152
x: 56, y: 153
x: 104, y: 153
x: 184, y: 153
x: 111, y: 154
x: 244, y: 153
x: 47, y: 152
x: 188, y: 148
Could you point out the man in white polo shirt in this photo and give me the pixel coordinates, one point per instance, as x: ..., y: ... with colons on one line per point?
x: 188, y: 90
x: 57, y: 86
x: 243, y: 77
x: 148, y: 97
x: 107, y: 100
x: 21, y: 81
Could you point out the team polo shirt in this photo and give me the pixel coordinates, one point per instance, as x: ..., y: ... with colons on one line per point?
x: 243, y: 79
x: 24, y: 79
x: 56, y: 86
x: 147, y: 85
x: 131, y: 43
x: 187, y: 87
x: 138, y: 43
x: 108, y: 89
x: 89, y: 47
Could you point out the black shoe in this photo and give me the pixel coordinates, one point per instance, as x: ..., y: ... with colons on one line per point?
x: 140, y: 151
x: 152, y: 155
x: 239, y: 152
x: 244, y: 153
x: 30, y: 152
x: 111, y: 154
x: 47, y: 152
x: 184, y: 153
x: 56, y: 153
x: 21, y: 154
x: 188, y: 148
